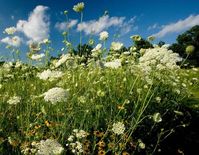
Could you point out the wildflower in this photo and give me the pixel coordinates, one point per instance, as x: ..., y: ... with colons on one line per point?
x: 118, y: 128
x: 34, y: 47
x: 48, y: 74
x: 133, y: 49
x: 98, y: 133
x: 151, y: 38
x: 125, y: 153
x: 101, y: 144
x: 76, y: 147
x: 62, y: 60
x: 158, y: 58
x: 37, y: 57
x: 81, y: 134
x: 190, y: 49
x: 65, y: 12
x: 14, y: 100
x: 71, y: 138
x: 116, y: 46
x: 82, y: 99
x: 49, y: 147
x: 113, y: 64
x: 46, y: 41
x: 141, y: 144
x: 157, y: 117
x: 79, y: 7
x: 55, y: 95
x: 136, y: 38
x: 10, y: 30
x: 100, y: 93
x: 91, y: 42
x: 97, y: 48
x: 103, y: 36
x: 158, y: 99
x: 101, y: 152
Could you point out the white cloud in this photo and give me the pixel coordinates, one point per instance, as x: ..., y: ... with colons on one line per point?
x: 66, y: 25
x: 179, y: 26
x: 14, y: 41
x: 97, y: 26
x: 36, y: 28
x: 128, y: 26
x: 152, y: 27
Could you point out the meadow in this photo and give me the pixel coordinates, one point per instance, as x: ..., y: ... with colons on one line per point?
x: 107, y: 102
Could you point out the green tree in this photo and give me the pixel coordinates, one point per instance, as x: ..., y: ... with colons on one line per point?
x: 190, y: 37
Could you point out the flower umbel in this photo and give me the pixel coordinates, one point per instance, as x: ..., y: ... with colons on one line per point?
x: 118, y: 128
x: 79, y: 7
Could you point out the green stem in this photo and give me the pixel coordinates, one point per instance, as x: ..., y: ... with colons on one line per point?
x: 80, y: 41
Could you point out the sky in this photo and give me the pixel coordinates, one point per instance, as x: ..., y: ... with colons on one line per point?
x: 36, y: 20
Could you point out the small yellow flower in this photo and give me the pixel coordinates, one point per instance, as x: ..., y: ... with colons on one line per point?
x: 101, y: 152
x: 101, y: 144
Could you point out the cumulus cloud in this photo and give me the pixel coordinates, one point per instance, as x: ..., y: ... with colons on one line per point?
x: 128, y: 26
x: 179, y: 26
x: 103, y: 23
x: 36, y: 28
x: 13, y: 41
x: 63, y: 26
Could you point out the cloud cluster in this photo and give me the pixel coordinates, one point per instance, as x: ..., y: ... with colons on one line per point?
x: 13, y: 41
x: 97, y: 26
x: 36, y: 28
x: 63, y: 26
x: 179, y: 26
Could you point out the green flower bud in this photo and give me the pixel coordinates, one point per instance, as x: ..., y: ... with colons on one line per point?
x: 190, y: 49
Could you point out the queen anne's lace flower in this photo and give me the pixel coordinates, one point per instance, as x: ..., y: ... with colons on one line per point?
x: 48, y: 74
x: 14, y: 100
x: 48, y: 147
x: 116, y: 46
x: 37, y: 56
x: 55, y: 95
x: 79, y: 7
x: 97, y: 47
x: 158, y: 58
x: 10, y: 30
x: 103, y: 36
x: 118, y: 128
x: 62, y: 60
x: 113, y: 64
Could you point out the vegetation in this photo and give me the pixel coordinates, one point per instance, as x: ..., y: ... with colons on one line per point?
x: 97, y: 100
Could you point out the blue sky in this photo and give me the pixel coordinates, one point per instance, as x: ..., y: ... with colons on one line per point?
x: 163, y: 18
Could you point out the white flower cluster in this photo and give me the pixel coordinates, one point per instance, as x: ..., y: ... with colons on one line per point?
x: 55, y: 95
x: 14, y: 100
x: 62, y: 60
x: 10, y: 30
x: 103, y: 36
x: 48, y: 74
x: 79, y: 7
x: 97, y: 47
x: 116, y: 46
x: 37, y: 57
x: 118, y: 128
x: 48, y: 147
x: 158, y: 58
x: 75, y: 145
x: 113, y: 64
